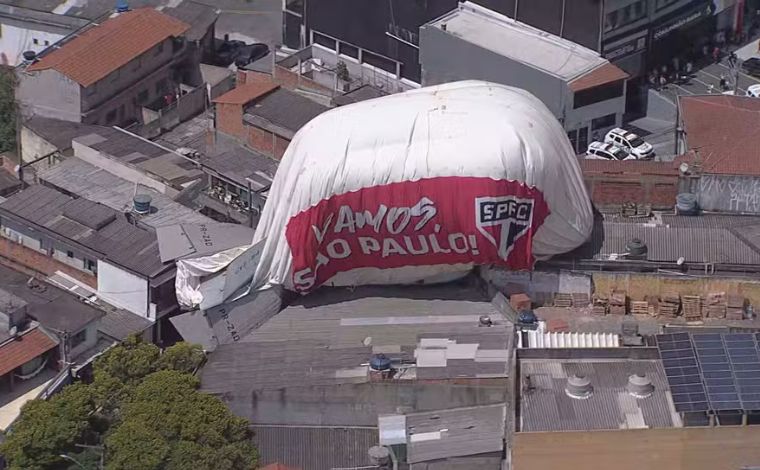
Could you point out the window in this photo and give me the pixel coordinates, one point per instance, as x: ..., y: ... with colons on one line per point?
x: 325, y: 41
x: 47, y: 43
x: 36, y: 42
x: 582, y: 138
x: 70, y: 254
x: 597, y: 94
x: 602, y: 122
x: 349, y: 50
x: 294, y: 6
x: 663, y: 3
x: 626, y: 15
x: 90, y: 265
x: 379, y: 62
x: 78, y: 339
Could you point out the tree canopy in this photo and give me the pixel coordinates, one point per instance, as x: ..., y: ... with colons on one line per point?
x: 7, y: 110
x: 143, y: 409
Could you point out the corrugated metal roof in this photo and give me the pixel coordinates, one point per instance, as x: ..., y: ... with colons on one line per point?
x: 200, y: 17
x: 286, y: 109
x: 118, y: 324
x: 545, y: 406
x: 314, y: 448
x: 88, y: 181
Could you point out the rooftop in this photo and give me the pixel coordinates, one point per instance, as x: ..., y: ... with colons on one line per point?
x: 544, y: 51
x: 243, y: 166
x: 103, y: 49
x: 247, y: 92
x: 17, y: 351
x: 200, y: 17
x: 725, y: 131
x: 62, y: 24
x: 8, y: 182
x: 95, y: 227
x: 197, y: 240
x: 317, y: 448
x: 52, y: 307
x: 148, y: 157
x: 546, y: 406
x: 282, y: 111
x: 319, y: 347
x: 58, y: 132
x: 118, y: 324
x: 78, y: 177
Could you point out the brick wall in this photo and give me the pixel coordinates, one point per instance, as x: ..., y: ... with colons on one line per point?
x: 266, y: 142
x: 229, y: 119
x: 41, y: 263
x: 616, y: 183
x: 285, y: 78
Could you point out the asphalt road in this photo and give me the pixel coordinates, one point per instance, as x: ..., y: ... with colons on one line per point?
x: 700, y: 82
x: 249, y: 20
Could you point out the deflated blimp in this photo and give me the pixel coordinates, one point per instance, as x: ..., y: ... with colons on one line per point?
x: 420, y: 187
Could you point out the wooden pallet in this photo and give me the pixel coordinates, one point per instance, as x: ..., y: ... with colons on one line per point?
x: 715, y: 305
x: 563, y: 300
x: 639, y: 307
x: 618, y: 302
x: 601, y: 305
x: 735, y: 307
x: 580, y: 300
x: 691, y: 306
x: 669, y: 305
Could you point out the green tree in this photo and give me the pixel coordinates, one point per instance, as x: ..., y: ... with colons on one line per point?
x: 7, y: 110
x: 184, y: 357
x: 50, y: 428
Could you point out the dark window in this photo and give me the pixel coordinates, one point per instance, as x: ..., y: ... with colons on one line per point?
x: 582, y: 139
x: 90, y: 265
x: 47, y: 43
x: 78, y: 339
x: 663, y: 3
x: 36, y: 41
x: 597, y: 94
x: 176, y: 44
x: 323, y: 40
x: 573, y: 136
x: 349, y: 50
x: 602, y: 122
x: 292, y: 30
x: 626, y: 15
x: 70, y: 254
x: 111, y: 116
x: 379, y: 62
x: 294, y: 6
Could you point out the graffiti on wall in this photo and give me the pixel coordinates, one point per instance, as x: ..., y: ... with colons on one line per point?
x: 729, y: 193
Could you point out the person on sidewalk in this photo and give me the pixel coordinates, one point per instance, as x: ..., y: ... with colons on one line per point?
x: 716, y: 54
x: 689, y: 68
x: 723, y: 83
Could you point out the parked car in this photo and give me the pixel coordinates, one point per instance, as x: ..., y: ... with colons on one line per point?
x: 752, y: 66
x: 227, y: 52
x: 631, y: 142
x: 607, y: 151
x: 250, y: 53
x: 754, y: 90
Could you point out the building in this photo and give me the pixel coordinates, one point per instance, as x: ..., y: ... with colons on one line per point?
x: 645, y: 185
x: 25, y: 29
x: 41, y: 138
x: 583, y: 90
x: 48, y: 231
x: 109, y: 73
x: 449, y: 369
x: 264, y: 116
x: 719, y: 139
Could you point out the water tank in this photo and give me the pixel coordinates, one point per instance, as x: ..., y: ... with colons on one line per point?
x: 636, y: 249
x: 640, y: 386
x: 686, y: 204
x: 142, y: 203
x: 527, y: 317
x: 29, y: 56
x: 579, y: 387
x: 380, y: 362
x: 379, y: 456
x: 485, y: 320
x: 122, y: 6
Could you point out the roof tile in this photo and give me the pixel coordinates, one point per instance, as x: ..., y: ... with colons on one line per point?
x: 23, y: 349
x: 105, y: 48
x: 606, y: 73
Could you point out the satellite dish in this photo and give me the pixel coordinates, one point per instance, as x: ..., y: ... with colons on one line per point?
x: 680, y: 261
x: 684, y: 168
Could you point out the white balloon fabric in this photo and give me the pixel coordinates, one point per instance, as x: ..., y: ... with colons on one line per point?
x: 420, y: 186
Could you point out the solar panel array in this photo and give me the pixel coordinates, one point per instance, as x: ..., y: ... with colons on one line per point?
x: 712, y: 371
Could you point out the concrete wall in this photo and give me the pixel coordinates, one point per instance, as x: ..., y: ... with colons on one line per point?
x: 15, y: 40
x: 50, y: 94
x: 90, y: 341
x: 123, y: 289
x: 540, y: 286
x: 445, y: 58
x: 638, y: 286
x: 112, y: 166
x: 729, y: 193
x: 33, y: 146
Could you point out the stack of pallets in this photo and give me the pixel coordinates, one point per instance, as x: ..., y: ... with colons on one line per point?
x: 639, y: 307
x: 563, y: 300
x: 692, y: 307
x: 653, y: 301
x: 669, y: 305
x: 601, y: 305
x: 617, y: 302
x: 735, y: 307
x: 715, y: 305
x: 580, y: 300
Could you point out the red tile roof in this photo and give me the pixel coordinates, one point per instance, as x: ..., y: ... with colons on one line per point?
x: 247, y: 92
x: 17, y: 352
x: 725, y: 132
x: 111, y: 45
x: 606, y: 73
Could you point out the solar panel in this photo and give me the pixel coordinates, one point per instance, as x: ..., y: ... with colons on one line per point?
x: 682, y: 372
x: 744, y: 357
x: 717, y: 373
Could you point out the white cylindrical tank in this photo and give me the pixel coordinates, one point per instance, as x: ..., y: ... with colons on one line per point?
x: 420, y: 186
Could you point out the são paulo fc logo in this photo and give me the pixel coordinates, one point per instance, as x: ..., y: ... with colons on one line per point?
x: 503, y: 220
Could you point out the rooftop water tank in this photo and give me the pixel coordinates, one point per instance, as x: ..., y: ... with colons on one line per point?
x: 122, y: 6
x: 380, y: 362
x: 636, y: 249
x: 579, y: 387
x: 142, y: 203
x: 686, y: 204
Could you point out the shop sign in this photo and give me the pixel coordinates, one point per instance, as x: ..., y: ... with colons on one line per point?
x: 627, y: 48
x: 703, y: 12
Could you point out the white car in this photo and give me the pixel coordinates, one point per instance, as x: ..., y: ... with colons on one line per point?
x: 631, y: 142
x: 607, y: 151
x: 754, y: 90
